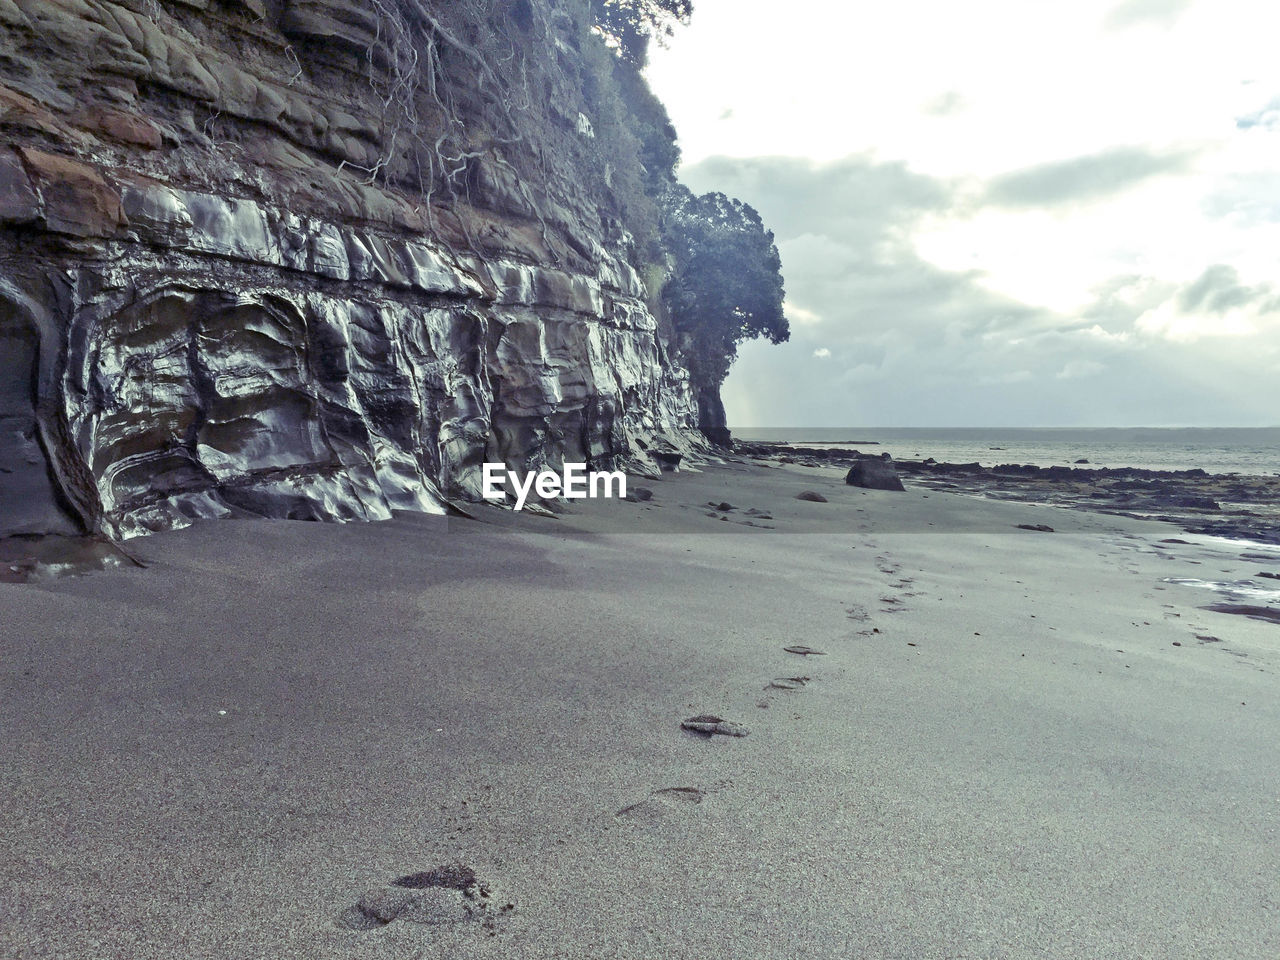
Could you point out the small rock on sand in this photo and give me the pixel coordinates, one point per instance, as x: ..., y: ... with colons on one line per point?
x: 811, y: 495
x: 804, y: 651
x: 1038, y: 527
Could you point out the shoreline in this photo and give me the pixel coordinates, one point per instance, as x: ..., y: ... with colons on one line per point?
x: 1235, y: 506
x: 241, y: 748
x: 1217, y: 450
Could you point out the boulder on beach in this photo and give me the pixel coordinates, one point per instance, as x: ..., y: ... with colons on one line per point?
x: 878, y: 474
x: 668, y: 460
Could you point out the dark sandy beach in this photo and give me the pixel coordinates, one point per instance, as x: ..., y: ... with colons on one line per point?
x: 1013, y: 744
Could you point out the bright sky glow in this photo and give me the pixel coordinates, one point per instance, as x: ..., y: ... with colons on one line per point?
x: 1007, y: 212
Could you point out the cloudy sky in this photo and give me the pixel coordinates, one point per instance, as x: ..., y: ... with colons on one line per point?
x: 1001, y: 212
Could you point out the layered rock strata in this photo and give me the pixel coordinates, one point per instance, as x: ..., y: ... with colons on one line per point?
x: 223, y: 290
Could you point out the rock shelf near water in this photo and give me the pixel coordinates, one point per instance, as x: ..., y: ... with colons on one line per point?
x: 1238, y: 506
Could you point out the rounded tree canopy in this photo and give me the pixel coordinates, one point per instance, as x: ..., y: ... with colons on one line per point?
x: 726, y: 283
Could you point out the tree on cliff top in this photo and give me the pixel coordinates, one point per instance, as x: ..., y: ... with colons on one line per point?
x: 725, y: 288
x: 628, y: 25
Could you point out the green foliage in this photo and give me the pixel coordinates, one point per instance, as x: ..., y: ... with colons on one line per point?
x: 619, y: 146
x: 726, y: 285
x: 649, y: 120
x: 628, y: 25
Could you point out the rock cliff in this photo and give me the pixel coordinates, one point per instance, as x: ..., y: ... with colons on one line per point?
x: 312, y: 259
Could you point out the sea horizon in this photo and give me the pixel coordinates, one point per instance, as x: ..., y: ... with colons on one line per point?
x: 1136, y: 427
x: 1219, y: 450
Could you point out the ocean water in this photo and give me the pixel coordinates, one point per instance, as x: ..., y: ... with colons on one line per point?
x: 1214, y: 450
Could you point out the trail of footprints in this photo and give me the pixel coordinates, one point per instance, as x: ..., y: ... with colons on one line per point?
x: 1203, y: 633
x: 669, y: 801
x: 453, y: 894
x: 675, y: 801
x: 1200, y: 632
x: 678, y: 801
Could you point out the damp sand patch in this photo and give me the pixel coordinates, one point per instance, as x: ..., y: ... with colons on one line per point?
x: 26, y: 559
x: 1269, y: 614
x: 1231, y: 589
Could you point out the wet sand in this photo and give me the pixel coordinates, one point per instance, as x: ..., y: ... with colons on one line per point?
x: 1013, y: 743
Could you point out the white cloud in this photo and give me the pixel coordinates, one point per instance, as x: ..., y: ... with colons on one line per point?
x: 1040, y: 82
x: 800, y: 317
x: 1097, y: 332
x: 978, y: 215
x: 945, y: 104
x: 1077, y: 369
x: 1132, y: 13
x: 1168, y: 322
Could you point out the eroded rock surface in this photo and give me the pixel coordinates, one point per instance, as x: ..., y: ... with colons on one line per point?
x: 227, y: 283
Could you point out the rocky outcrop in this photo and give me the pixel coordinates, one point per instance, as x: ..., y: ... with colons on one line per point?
x: 1237, y: 506
x: 712, y: 421
x: 873, y: 474
x: 236, y: 274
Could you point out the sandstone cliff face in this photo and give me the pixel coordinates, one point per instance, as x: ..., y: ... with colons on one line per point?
x: 230, y: 281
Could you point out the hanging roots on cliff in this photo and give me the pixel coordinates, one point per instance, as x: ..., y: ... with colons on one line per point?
x: 412, y: 84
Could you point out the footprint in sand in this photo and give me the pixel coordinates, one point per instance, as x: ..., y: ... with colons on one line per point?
x: 857, y: 612
x: 709, y: 725
x: 450, y: 894
x: 664, y: 803
x: 787, y: 683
